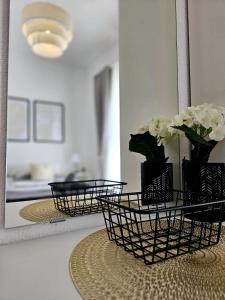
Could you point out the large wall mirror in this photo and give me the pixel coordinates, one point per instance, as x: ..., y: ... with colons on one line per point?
x: 64, y: 60
x: 67, y: 70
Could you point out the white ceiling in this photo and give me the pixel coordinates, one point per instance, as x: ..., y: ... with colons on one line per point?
x: 95, y: 28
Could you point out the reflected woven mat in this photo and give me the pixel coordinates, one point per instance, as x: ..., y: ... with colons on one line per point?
x: 45, y: 211
x: 100, y: 270
x: 42, y: 211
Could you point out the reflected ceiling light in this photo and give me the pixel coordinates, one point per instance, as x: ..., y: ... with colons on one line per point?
x: 47, y: 28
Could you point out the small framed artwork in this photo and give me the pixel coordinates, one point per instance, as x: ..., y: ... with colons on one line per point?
x: 18, y: 119
x: 49, y: 122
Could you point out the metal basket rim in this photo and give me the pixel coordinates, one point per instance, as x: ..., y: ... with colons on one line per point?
x: 105, y: 199
x: 113, y: 183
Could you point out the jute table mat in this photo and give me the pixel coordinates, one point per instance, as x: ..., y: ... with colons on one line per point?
x: 100, y: 270
x: 42, y: 211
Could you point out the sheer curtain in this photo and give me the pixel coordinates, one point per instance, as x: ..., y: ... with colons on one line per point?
x: 107, y: 119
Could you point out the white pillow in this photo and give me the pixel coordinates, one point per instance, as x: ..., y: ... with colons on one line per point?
x: 41, y: 172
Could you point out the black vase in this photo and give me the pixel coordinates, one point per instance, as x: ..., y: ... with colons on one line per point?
x: 155, y: 176
x: 206, y: 182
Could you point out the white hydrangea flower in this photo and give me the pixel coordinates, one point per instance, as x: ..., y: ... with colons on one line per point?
x: 217, y: 134
x: 209, y: 116
x: 176, y: 121
x: 142, y: 129
x: 206, y: 119
x: 158, y: 127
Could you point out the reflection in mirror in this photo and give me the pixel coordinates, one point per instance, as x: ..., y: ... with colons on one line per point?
x: 63, y: 102
x: 18, y: 108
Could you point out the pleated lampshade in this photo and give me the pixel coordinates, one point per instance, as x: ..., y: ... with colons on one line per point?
x: 47, y: 28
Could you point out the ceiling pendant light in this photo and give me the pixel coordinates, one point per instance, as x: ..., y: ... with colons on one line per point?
x: 47, y: 28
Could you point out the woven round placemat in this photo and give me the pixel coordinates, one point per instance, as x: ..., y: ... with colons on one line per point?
x: 100, y: 270
x: 42, y: 211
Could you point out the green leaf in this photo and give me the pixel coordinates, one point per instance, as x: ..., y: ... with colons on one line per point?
x: 146, y: 144
x: 201, y: 153
x: 201, y: 148
x: 193, y: 136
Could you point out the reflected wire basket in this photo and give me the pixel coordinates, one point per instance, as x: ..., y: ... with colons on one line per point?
x: 79, y: 197
x: 165, y: 229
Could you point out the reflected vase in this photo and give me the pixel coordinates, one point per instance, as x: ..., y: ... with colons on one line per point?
x: 155, y: 176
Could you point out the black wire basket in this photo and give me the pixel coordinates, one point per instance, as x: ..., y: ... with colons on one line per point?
x: 79, y: 197
x: 162, y: 230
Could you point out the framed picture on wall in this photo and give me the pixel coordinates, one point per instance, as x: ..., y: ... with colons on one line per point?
x: 18, y: 119
x: 48, y: 122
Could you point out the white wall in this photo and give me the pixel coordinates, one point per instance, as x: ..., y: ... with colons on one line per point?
x: 82, y: 115
x: 36, y: 78
x: 183, y: 67
x: 148, y: 74
x: 207, y: 48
